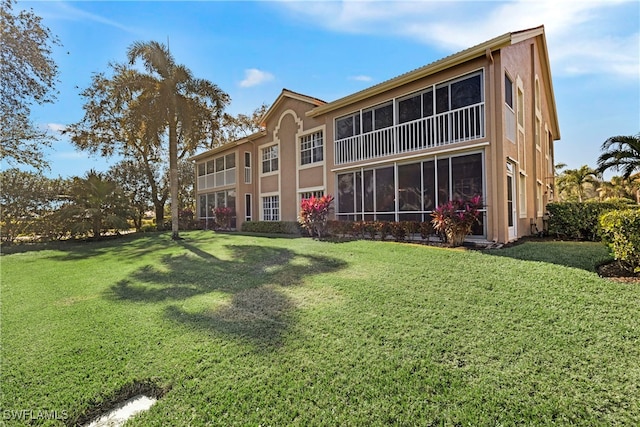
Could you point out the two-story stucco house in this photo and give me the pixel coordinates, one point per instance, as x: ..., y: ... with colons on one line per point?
x: 480, y: 122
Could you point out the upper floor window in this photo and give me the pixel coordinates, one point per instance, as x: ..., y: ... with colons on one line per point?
x: 459, y: 93
x: 270, y: 159
x: 415, y: 106
x: 348, y: 126
x: 378, y: 117
x: 311, y: 148
x: 508, y: 91
x: 217, y: 172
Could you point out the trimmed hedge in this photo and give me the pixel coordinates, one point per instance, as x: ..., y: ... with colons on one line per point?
x: 380, y: 230
x: 574, y: 220
x: 621, y: 232
x: 272, y: 227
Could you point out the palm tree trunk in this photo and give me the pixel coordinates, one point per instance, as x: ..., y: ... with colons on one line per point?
x: 173, y: 171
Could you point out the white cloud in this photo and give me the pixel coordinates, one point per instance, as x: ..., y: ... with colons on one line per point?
x: 64, y: 10
x: 361, y: 78
x: 56, y: 127
x: 579, y: 37
x: 254, y: 77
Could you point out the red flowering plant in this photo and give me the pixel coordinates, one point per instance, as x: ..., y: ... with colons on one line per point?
x: 455, y: 218
x: 223, y: 217
x: 313, y: 214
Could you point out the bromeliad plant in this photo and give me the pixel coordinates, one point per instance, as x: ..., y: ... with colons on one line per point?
x: 313, y: 214
x: 223, y: 217
x: 455, y: 218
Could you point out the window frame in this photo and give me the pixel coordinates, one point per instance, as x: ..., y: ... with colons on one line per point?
x: 269, y: 159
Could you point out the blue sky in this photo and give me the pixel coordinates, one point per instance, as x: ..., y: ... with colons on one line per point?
x: 331, y: 49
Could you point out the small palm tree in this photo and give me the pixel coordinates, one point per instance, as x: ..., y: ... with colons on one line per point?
x: 576, y: 180
x: 96, y: 203
x: 621, y: 153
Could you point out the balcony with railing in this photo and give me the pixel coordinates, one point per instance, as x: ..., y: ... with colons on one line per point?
x: 451, y: 127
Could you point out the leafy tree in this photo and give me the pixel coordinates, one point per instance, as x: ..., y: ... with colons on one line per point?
x: 619, y: 188
x: 27, y: 200
x: 187, y: 185
x: 131, y: 178
x: 240, y: 126
x: 115, y: 123
x: 28, y: 76
x: 96, y: 204
x: 576, y: 182
x: 621, y: 153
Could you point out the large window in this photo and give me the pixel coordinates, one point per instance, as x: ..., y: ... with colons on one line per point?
x: 348, y: 126
x: 207, y: 203
x: 270, y: 159
x: 218, y: 172
x: 311, y: 148
x: 409, y: 191
x: 271, y: 208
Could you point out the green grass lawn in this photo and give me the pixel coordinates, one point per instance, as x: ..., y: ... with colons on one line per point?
x: 243, y: 330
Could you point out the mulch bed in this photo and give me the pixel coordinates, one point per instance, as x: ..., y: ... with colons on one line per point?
x: 613, y: 271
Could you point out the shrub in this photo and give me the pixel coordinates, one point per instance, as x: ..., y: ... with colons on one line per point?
x: 426, y: 229
x: 621, y: 232
x: 575, y: 220
x: 398, y: 231
x: 455, y: 218
x: 313, y: 214
x: 223, y: 217
x: 272, y: 227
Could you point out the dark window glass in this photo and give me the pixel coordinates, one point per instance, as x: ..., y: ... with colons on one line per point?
x: 368, y: 191
x: 358, y: 192
x: 508, y: 91
x: 219, y: 164
x: 344, y: 127
x: 385, y: 190
x: 345, y: 193
x: 429, y: 191
x: 442, y: 99
x: 230, y: 161
x: 210, y: 168
x: 367, y: 121
x: 443, y: 181
x: 247, y: 160
x: 409, y: 109
x: 466, y: 176
x: 203, y: 206
x: 466, y: 92
x: 201, y: 169
x: 409, y: 187
x: 384, y: 116
x: 427, y: 104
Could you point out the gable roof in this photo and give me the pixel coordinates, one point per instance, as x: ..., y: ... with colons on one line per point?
x: 482, y: 49
x: 286, y: 93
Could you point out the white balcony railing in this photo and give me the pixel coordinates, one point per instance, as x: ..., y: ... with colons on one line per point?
x: 464, y: 124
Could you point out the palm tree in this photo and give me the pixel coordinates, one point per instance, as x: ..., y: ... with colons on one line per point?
x: 96, y: 203
x: 575, y: 180
x: 621, y: 153
x: 189, y: 108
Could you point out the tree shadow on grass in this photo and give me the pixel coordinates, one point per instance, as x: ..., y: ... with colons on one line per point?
x: 258, y: 309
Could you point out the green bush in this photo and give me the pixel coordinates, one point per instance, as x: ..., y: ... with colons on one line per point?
x: 621, y: 232
x: 272, y: 227
x: 574, y: 220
